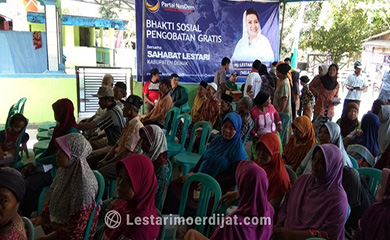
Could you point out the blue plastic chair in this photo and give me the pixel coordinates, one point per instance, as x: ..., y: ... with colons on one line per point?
x: 29, y: 226
x: 354, y: 162
x: 175, y: 148
x: 46, y: 126
x: 101, y: 184
x: 20, y: 105
x: 188, y: 159
x: 170, y: 121
x: 209, y: 185
x: 374, y: 175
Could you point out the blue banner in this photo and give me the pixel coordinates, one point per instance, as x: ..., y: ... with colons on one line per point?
x: 190, y: 37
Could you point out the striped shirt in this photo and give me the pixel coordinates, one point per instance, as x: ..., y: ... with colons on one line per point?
x: 112, y: 122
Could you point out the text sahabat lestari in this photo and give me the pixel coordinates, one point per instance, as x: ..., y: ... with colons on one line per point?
x: 178, y: 32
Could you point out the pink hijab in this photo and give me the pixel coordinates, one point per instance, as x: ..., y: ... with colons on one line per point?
x: 253, y: 188
x: 144, y: 181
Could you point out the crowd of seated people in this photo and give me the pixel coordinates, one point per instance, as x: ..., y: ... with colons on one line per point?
x: 302, y: 173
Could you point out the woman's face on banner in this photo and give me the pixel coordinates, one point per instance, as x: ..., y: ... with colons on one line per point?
x: 252, y: 25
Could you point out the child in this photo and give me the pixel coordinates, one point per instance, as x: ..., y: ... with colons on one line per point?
x: 10, y: 136
x: 307, y: 98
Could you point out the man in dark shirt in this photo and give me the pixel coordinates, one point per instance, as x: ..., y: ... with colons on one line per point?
x: 178, y: 93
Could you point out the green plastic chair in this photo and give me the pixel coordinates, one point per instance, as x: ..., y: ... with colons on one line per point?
x: 209, y: 185
x: 293, y: 176
x: 111, y: 187
x: 41, y: 198
x: 29, y: 226
x: 101, y: 184
x: 175, y: 148
x: 44, y: 135
x: 374, y: 175
x: 46, y: 126
x: 170, y: 166
x: 188, y: 159
x: 161, y: 234
x: 18, y: 160
x: 41, y: 146
x: 248, y: 134
x: 185, y: 108
x: 354, y: 162
x: 20, y: 105
x: 170, y: 121
x: 12, y: 110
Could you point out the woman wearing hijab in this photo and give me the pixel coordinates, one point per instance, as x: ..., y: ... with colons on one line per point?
x: 376, y: 106
x: 365, y: 147
x: 219, y: 161
x: 303, y: 139
x: 72, y: 194
x: 325, y: 89
x: 37, y: 180
x: 252, y: 183
x: 136, y: 186
x: 318, y: 194
x: 349, y: 122
x: 12, y: 190
x: 385, y: 88
x: 253, y: 45
x: 322, y: 70
x: 384, y: 128
x: 154, y: 146
x: 376, y: 220
x: 269, y: 158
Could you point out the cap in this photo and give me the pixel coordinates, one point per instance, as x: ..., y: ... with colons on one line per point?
x: 134, y: 100
x: 214, y: 85
x: 166, y: 81
x: 304, y: 79
x: 233, y: 74
x: 357, y: 64
x: 283, y: 68
x: 227, y: 98
x: 121, y: 85
x: 154, y: 71
x: 203, y: 84
x: 104, y: 91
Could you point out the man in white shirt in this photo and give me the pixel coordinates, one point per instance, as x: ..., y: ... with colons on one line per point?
x: 253, y: 81
x: 220, y: 77
x: 355, y: 84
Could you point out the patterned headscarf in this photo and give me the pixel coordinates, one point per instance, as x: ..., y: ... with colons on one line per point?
x: 75, y: 186
x: 157, y: 141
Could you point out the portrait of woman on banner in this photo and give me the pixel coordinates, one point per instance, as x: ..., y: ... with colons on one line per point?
x: 252, y: 45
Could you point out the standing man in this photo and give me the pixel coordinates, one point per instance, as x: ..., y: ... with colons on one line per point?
x: 294, y: 89
x: 151, y: 90
x: 220, y: 77
x: 253, y: 81
x: 355, y: 84
x: 178, y: 93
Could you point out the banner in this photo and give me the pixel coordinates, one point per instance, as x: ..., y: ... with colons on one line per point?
x: 190, y: 37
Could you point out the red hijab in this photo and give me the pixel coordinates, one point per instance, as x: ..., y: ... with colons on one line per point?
x: 144, y: 181
x: 279, y: 180
x: 64, y: 114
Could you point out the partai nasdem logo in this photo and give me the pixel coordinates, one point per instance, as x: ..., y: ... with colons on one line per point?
x: 113, y: 219
x: 152, y: 8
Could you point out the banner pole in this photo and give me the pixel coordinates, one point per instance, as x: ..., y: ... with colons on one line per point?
x: 281, y: 30
x: 143, y: 54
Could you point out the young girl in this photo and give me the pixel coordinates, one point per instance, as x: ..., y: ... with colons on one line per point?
x: 9, y: 138
x: 307, y: 98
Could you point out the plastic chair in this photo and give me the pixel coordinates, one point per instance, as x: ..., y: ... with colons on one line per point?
x: 111, y: 187
x: 188, y: 159
x: 30, y: 228
x: 375, y: 176
x: 354, y: 162
x: 44, y: 135
x: 41, y: 146
x: 13, y: 110
x: 161, y: 234
x: 209, y: 185
x: 41, y: 198
x: 185, y: 108
x: 170, y: 119
x: 20, y: 105
x: 18, y: 160
x: 170, y: 166
x: 100, y: 179
x: 46, y: 126
x: 248, y: 133
x: 293, y: 176
x: 175, y: 148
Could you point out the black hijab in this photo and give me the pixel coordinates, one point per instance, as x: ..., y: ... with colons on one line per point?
x: 329, y: 83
